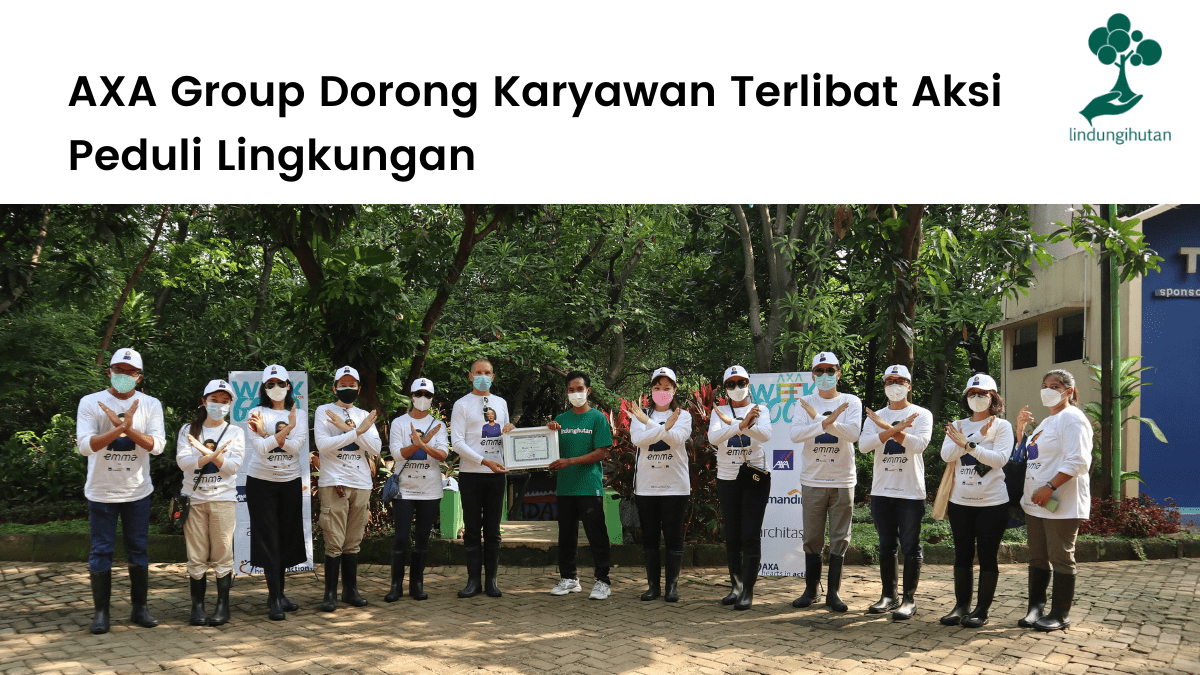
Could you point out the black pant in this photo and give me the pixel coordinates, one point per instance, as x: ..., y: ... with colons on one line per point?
x: 571, y: 510
x: 426, y: 511
x: 276, y: 523
x: 743, y: 510
x: 482, y: 502
x: 979, y: 527
x: 662, y: 514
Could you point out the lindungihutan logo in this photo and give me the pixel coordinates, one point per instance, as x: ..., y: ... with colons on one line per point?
x: 1116, y: 44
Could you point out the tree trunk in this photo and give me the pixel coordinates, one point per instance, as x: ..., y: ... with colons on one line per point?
x: 112, y: 323
x: 902, y: 336
x: 977, y: 352
x: 941, y: 372
x: 33, y: 263
x: 763, y: 348
x: 260, y: 302
x: 165, y: 294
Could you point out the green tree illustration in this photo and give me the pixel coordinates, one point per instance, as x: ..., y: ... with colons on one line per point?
x: 1115, y: 44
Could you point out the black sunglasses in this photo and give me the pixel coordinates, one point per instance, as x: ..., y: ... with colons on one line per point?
x: 824, y: 371
x: 421, y: 394
x: 737, y: 383
x: 272, y: 385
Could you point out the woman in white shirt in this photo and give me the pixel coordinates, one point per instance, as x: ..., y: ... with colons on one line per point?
x: 978, y: 508
x: 661, y: 480
x: 1057, y: 499
x: 898, y: 435
x: 279, y: 448
x: 209, y: 451
x: 418, y: 444
x: 737, y: 431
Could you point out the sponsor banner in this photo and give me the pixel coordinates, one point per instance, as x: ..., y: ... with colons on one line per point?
x: 783, y: 526
x: 245, y: 386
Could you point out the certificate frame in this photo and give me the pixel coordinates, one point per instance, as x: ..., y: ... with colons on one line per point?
x: 519, y: 443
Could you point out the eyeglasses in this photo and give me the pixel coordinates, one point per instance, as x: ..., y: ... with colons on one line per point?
x: 422, y: 394
x: 823, y: 371
x: 272, y: 385
x: 737, y: 383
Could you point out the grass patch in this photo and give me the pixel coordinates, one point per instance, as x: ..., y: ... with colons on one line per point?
x: 59, y: 527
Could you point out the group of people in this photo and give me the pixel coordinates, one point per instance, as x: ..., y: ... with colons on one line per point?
x: 120, y: 427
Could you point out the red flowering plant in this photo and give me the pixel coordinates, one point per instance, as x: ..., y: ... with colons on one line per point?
x: 1134, y: 517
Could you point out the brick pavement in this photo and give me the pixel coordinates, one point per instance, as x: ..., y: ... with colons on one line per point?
x: 1130, y: 617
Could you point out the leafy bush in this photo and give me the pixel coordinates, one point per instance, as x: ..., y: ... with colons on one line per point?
x: 1134, y: 517
x: 43, y: 512
x: 43, y: 468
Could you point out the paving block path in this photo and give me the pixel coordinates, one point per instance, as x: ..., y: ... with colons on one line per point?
x: 1130, y: 617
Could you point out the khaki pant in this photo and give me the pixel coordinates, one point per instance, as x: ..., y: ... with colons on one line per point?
x: 834, y: 504
x: 208, y: 534
x: 343, y: 519
x: 1052, y: 542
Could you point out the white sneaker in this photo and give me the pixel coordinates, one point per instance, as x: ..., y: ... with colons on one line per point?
x: 600, y: 591
x: 566, y: 586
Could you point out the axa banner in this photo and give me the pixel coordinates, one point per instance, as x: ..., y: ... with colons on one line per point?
x: 782, y: 549
x: 245, y: 385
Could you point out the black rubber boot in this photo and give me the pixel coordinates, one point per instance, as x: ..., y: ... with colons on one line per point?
x: 1039, y: 581
x: 274, y: 608
x: 350, y: 581
x: 220, y: 615
x: 908, y: 602
x: 653, y: 573
x: 416, y: 577
x: 332, y: 568
x: 101, y: 595
x: 888, y: 599
x: 674, y: 563
x: 812, y: 581
x: 749, y: 577
x: 734, y: 561
x: 139, y: 586
x: 832, y: 599
x: 399, y: 560
x: 987, y: 591
x: 1059, y: 617
x: 963, y: 581
x: 474, y: 568
x: 198, y: 587
x: 287, y: 605
x: 491, y: 567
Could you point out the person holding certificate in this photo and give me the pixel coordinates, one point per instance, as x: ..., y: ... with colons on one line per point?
x: 476, y: 424
x: 584, y: 439
x: 661, y: 480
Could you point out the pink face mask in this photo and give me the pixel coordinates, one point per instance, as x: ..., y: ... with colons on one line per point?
x: 662, y: 397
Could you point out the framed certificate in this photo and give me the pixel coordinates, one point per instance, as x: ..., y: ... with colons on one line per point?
x: 530, y: 448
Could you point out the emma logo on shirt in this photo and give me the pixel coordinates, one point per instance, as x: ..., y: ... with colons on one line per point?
x: 893, y: 448
x: 825, y: 438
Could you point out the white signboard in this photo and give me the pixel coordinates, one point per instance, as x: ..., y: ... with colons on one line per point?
x: 245, y: 385
x: 783, y: 526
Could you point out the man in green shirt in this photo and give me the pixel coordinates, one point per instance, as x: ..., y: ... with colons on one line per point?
x: 584, y: 438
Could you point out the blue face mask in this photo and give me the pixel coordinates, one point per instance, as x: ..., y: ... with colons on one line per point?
x: 123, y: 383
x: 483, y: 382
x: 825, y: 382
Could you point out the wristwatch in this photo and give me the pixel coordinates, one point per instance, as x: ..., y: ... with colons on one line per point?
x: 971, y: 445
x: 1051, y: 486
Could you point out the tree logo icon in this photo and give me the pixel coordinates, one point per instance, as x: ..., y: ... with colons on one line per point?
x: 1116, y: 45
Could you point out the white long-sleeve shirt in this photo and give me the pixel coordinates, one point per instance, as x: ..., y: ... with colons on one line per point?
x: 992, y: 450
x: 216, y: 485
x: 827, y: 454
x: 662, y: 458
x: 270, y: 462
x: 899, y: 467
x: 344, y: 455
x: 735, y: 446
x: 119, y: 472
x: 473, y: 438
x: 420, y: 475
x: 1064, y: 446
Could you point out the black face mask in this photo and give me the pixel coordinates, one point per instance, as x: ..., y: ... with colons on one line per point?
x: 347, y: 395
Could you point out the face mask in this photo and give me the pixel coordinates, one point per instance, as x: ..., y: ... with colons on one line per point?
x: 217, y: 411
x: 577, y: 398
x: 347, y: 394
x: 1051, y: 398
x: 979, y: 403
x: 738, y: 394
x: 421, y: 403
x: 277, y: 393
x: 482, y: 382
x: 825, y: 382
x: 123, y: 383
x: 664, y: 397
x: 896, y: 392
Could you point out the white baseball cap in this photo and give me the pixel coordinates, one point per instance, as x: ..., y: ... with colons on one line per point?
x: 664, y: 371
x: 897, y: 370
x: 344, y: 371
x: 275, y: 371
x: 422, y: 384
x: 735, y: 371
x: 825, y: 357
x: 218, y: 385
x: 981, y: 381
x: 129, y: 356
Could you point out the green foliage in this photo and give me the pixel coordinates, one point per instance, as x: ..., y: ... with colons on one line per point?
x: 42, y: 468
x: 1130, y: 379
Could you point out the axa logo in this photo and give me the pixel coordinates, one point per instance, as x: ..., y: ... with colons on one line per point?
x: 782, y: 460
x: 1117, y: 44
